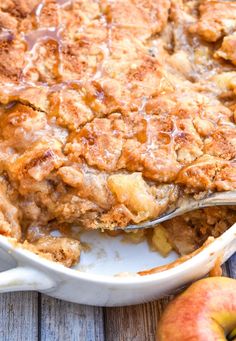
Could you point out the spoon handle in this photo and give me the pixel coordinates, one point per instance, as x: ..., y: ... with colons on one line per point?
x: 218, y: 199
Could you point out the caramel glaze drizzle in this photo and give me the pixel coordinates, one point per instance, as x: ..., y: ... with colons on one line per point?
x: 43, y: 34
x: 40, y: 35
x: 35, y: 37
x: 54, y: 33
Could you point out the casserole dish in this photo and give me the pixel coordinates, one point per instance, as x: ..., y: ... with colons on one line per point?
x: 27, y: 271
x: 109, y: 112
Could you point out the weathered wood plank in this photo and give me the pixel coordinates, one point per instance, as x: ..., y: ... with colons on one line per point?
x: 136, y: 323
x: 66, y: 321
x: 225, y: 270
x: 19, y: 316
x: 232, y: 266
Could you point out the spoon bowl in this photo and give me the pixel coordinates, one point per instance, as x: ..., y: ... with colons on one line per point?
x: 185, y: 205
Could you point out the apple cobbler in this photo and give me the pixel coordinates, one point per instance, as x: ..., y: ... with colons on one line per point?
x: 110, y: 111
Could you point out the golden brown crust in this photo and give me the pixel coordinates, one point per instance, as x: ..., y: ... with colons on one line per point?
x: 208, y: 173
x: 227, y: 50
x: 217, y: 18
x: 141, y: 18
x: 110, y: 110
x: 12, y: 52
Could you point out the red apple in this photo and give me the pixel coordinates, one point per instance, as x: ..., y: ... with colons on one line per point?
x: 206, y: 311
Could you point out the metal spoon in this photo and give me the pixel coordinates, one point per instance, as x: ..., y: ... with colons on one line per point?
x: 186, y: 205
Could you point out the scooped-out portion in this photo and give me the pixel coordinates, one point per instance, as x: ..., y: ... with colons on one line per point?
x: 109, y: 112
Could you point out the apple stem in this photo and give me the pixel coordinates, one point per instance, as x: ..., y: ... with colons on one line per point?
x: 232, y: 335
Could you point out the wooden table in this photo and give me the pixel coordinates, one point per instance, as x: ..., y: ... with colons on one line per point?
x: 29, y: 316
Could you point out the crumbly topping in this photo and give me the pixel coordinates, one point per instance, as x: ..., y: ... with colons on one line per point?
x: 110, y: 110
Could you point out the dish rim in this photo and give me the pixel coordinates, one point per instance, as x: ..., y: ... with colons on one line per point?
x: 10, y: 246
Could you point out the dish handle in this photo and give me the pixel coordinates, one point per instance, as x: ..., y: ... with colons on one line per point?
x: 24, y: 278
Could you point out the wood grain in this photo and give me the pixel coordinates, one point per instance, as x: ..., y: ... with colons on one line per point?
x: 19, y: 316
x: 136, y: 323
x: 231, y: 266
x: 225, y: 270
x: 66, y: 321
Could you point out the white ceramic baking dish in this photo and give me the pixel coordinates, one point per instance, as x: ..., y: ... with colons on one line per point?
x: 94, y: 283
